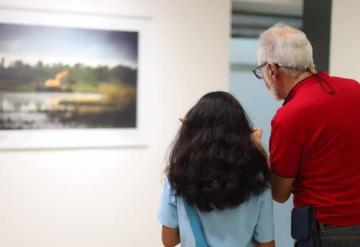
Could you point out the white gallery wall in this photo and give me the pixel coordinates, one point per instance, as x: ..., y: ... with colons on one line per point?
x: 108, y: 196
x: 345, y: 36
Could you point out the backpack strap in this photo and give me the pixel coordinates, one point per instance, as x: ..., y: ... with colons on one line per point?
x: 196, y: 226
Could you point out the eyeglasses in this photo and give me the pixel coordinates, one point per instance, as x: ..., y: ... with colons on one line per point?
x: 257, y: 70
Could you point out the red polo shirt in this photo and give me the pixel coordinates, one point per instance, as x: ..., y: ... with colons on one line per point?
x: 315, y: 138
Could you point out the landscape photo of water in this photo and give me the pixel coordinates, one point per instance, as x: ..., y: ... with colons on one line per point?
x: 67, y: 78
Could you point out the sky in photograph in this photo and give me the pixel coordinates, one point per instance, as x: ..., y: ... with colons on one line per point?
x: 51, y: 45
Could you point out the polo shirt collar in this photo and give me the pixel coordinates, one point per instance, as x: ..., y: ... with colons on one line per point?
x: 322, y: 75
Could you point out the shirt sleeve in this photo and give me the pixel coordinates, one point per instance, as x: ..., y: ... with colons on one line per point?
x: 167, y: 212
x: 285, y: 148
x: 264, y: 229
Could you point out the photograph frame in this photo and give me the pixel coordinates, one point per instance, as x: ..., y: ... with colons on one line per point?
x: 83, y: 138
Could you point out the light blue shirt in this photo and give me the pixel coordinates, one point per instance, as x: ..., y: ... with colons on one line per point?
x: 223, y: 228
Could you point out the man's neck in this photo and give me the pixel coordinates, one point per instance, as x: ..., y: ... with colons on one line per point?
x: 304, y: 75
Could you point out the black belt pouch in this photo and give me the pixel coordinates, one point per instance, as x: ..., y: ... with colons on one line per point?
x: 304, y: 227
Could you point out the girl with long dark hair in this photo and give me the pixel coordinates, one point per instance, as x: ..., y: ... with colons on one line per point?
x: 218, y: 167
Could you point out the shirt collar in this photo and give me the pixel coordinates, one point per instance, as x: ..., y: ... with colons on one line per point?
x: 322, y: 75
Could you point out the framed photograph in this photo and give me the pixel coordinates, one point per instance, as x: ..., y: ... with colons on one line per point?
x: 70, y: 80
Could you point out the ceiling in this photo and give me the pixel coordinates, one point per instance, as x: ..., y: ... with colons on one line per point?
x: 251, y: 17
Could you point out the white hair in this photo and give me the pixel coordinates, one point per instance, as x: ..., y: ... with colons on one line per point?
x: 287, y: 46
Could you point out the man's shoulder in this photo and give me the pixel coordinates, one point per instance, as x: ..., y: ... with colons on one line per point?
x: 289, y: 112
x: 348, y: 82
x: 343, y: 79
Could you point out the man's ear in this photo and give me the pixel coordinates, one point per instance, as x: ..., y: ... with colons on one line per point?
x: 272, y: 70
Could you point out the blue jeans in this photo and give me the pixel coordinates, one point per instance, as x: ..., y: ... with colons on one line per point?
x: 340, y: 236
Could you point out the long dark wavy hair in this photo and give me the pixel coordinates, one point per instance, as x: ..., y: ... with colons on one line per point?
x: 213, y: 163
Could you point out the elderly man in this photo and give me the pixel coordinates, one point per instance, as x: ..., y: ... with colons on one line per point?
x: 315, y: 135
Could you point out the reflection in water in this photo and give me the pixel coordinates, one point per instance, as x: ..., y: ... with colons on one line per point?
x: 46, y: 110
